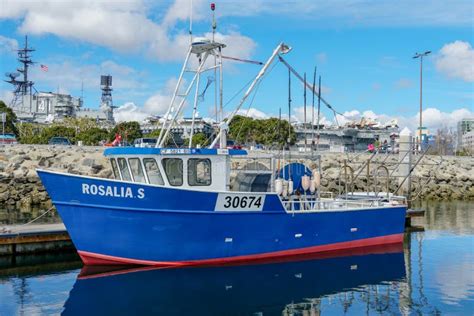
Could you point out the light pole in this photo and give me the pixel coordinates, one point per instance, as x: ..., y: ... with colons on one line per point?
x: 421, y: 55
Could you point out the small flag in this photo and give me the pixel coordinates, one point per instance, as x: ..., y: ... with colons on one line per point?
x: 44, y: 67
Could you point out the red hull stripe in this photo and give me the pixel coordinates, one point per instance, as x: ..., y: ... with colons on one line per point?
x: 90, y: 258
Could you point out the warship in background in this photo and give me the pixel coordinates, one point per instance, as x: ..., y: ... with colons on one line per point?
x: 31, y: 105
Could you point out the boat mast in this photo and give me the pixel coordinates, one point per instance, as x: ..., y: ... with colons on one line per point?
x: 281, y: 48
x: 202, y: 48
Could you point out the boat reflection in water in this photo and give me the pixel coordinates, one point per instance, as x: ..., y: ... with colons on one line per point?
x: 245, y: 289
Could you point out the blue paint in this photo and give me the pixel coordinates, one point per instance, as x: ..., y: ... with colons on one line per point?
x: 169, y: 151
x: 295, y: 171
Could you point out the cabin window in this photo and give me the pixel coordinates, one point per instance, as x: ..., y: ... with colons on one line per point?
x: 174, y: 170
x: 122, y: 163
x: 137, y: 171
x: 114, y: 168
x: 153, y: 172
x: 199, y: 172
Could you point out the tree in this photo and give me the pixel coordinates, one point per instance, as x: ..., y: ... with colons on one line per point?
x: 128, y: 130
x: 200, y: 139
x: 40, y: 134
x: 80, y: 124
x: 58, y: 131
x: 31, y: 133
x: 272, y: 131
x: 93, y: 136
x: 10, y: 126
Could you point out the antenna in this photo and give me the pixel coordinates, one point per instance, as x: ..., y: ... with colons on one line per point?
x: 191, y: 22
x: 23, y: 87
x: 214, y: 25
x: 106, y: 100
x: 82, y: 89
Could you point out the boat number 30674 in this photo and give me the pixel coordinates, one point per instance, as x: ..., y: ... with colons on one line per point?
x: 240, y: 202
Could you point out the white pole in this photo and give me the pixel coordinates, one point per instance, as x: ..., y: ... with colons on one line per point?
x: 194, y: 110
x: 223, y: 138
x: 165, y: 119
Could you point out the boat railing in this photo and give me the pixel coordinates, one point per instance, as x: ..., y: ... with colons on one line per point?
x: 303, y: 204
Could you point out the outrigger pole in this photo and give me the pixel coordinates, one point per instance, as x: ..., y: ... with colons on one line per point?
x: 221, y: 137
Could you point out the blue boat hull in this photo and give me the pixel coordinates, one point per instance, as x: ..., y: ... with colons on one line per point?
x: 112, y: 222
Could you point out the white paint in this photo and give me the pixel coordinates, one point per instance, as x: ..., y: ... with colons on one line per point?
x: 354, y: 267
x: 298, y: 235
x: 228, y: 239
x: 354, y: 229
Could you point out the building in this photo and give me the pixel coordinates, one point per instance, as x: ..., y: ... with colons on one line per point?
x: 44, y: 107
x: 344, y: 139
x: 96, y: 114
x: 468, y: 142
x: 30, y: 105
x: 464, y: 126
x: 182, y: 130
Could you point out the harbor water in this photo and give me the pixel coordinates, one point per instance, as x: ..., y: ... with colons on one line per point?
x: 432, y: 273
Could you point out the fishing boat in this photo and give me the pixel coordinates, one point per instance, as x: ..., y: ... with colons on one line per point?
x: 190, y: 206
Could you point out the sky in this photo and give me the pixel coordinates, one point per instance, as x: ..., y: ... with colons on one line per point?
x: 362, y: 50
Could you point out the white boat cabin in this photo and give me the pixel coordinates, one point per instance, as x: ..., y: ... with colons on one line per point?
x: 199, y: 169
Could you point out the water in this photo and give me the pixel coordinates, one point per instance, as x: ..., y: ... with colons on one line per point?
x: 433, y: 273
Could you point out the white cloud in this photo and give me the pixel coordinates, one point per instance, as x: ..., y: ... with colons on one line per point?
x: 159, y: 102
x: 8, y: 45
x: 298, y: 116
x: 253, y: 113
x: 123, y: 25
x: 434, y: 118
x: 129, y: 112
x: 456, y: 60
x: 69, y: 75
x: 359, y: 12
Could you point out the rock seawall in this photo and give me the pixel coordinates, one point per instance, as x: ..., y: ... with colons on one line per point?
x: 20, y: 185
x: 438, y: 178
